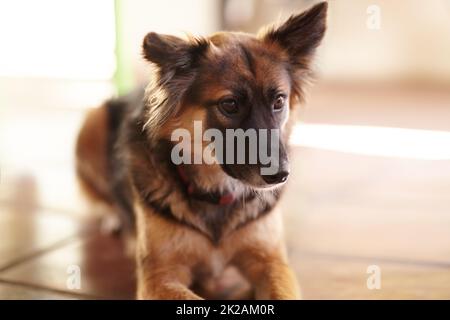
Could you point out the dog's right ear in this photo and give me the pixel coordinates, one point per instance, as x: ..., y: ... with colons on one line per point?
x: 170, y: 52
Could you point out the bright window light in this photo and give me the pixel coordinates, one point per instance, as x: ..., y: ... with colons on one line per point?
x: 375, y: 141
x: 71, y: 39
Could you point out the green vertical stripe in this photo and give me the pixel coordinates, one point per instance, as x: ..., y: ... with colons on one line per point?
x: 123, y: 77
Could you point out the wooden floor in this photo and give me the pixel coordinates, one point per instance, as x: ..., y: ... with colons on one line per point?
x: 343, y: 212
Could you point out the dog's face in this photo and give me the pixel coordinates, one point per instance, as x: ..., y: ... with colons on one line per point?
x: 237, y: 81
x: 243, y: 83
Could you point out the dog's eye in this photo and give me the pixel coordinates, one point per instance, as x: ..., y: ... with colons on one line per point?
x: 280, y: 100
x: 229, y: 106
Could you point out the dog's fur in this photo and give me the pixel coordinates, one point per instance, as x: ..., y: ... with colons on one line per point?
x: 123, y: 158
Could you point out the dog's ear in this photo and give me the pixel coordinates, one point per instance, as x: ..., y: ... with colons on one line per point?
x: 168, y: 51
x: 300, y: 34
x: 176, y: 60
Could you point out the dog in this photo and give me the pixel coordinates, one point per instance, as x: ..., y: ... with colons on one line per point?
x: 190, y: 221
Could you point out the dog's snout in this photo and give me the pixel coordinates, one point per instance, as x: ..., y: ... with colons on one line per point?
x: 279, y: 177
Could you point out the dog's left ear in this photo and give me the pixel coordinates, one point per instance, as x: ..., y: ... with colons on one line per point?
x: 301, y: 34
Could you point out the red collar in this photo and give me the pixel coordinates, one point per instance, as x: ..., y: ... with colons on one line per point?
x: 222, y: 199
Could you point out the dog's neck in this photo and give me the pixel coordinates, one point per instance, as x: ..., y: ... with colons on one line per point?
x: 221, y: 198
x: 168, y: 197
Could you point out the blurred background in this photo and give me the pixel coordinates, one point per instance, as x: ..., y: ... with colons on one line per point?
x: 371, y: 181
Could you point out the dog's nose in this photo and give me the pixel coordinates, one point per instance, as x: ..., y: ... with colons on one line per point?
x: 279, y: 177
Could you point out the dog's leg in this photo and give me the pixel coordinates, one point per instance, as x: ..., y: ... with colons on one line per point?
x: 270, y: 275
x: 164, y: 283
x: 161, y: 273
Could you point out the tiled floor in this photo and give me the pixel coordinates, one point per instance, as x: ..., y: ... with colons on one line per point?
x: 343, y: 212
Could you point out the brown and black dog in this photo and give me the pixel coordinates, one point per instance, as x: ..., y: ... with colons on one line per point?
x: 192, y: 221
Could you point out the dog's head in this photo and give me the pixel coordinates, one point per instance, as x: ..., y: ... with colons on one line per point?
x: 234, y: 81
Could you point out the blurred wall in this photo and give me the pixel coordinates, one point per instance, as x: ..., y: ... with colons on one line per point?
x: 62, y: 55
x: 412, y: 42
x: 198, y: 17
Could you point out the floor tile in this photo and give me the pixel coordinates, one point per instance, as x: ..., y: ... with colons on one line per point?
x: 346, y: 278
x: 18, y: 292
x: 26, y: 234
x: 383, y: 104
x: 368, y: 206
x: 104, y: 270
